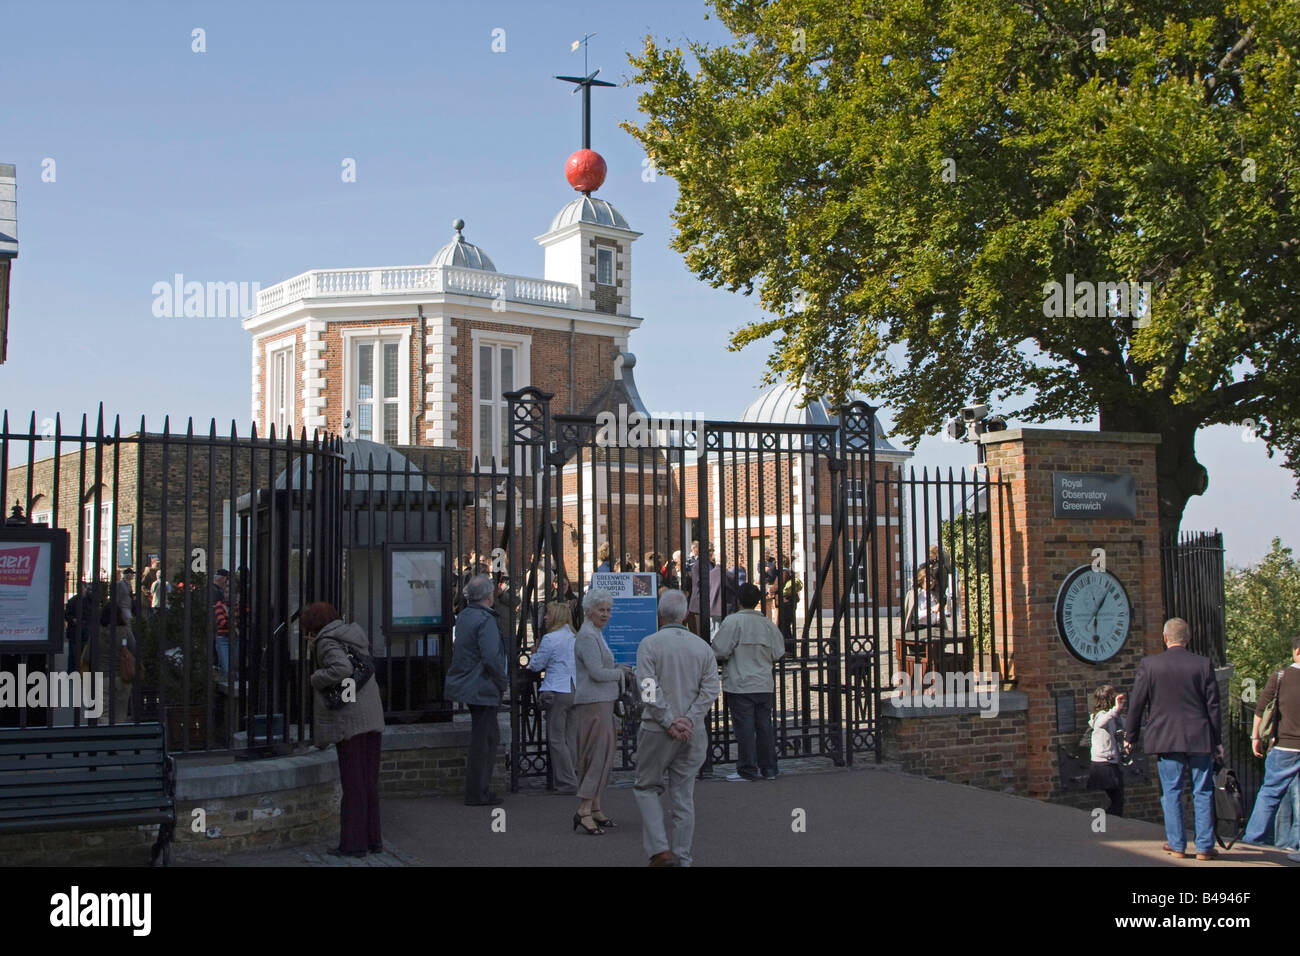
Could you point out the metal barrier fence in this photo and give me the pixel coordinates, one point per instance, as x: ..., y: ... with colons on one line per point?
x: 217, y: 660
x: 1191, y: 563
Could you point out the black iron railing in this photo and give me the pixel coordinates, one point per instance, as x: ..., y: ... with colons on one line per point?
x: 219, y: 660
x: 1191, y: 564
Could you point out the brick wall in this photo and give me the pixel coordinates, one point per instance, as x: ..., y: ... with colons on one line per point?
x: 593, y: 367
x: 1040, y: 550
x: 984, y: 752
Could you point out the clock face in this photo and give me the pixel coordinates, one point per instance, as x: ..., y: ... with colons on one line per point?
x: 1093, y: 614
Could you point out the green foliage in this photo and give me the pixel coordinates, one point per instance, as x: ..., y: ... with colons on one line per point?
x: 964, y: 538
x: 899, y: 180
x: 191, y: 637
x: 1263, y: 615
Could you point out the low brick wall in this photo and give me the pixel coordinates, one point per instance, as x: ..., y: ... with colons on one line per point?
x: 958, y: 744
x: 245, y: 805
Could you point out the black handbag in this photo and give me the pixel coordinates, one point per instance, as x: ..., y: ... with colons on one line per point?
x: 628, y: 705
x: 363, y: 668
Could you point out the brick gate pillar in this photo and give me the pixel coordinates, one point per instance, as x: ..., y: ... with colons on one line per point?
x: 1039, y: 551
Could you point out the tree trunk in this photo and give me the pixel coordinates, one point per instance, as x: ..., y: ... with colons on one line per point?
x: 1179, y: 475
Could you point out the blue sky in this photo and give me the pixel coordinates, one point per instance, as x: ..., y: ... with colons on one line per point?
x: 225, y: 166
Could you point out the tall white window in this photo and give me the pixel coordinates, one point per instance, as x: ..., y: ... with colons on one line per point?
x: 496, y: 375
x: 604, y: 265
x: 279, y: 407
x: 105, y: 542
x: 501, y: 364
x: 378, y: 374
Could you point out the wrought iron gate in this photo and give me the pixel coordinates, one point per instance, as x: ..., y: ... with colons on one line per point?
x: 802, y: 496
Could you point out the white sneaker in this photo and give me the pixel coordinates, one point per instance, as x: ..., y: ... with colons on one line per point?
x: 1293, y: 857
x: 737, y: 778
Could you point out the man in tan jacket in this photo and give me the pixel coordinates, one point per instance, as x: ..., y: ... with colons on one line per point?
x: 678, y: 680
x: 748, y: 645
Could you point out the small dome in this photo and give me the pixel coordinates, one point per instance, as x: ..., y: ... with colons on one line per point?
x: 598, y: 212
x: 779, y: 405
x: 458, y: 252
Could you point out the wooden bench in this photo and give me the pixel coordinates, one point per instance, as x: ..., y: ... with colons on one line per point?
x: 72, y: 778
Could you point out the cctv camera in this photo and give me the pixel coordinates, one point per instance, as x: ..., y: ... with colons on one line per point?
x: 995, y: 423
x: 973, y: 413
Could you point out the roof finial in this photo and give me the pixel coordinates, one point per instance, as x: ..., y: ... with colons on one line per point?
x: 585, y: 169
x: 458, y: 225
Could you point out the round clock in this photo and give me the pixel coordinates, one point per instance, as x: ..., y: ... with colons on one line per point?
x: 1093, y: 614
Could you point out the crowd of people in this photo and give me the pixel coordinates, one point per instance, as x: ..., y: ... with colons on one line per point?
x: 675, y: 682
x: 104, y: 624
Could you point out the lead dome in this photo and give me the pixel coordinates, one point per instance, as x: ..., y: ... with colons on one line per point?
x: 597, y: 212
x: 464, y: 254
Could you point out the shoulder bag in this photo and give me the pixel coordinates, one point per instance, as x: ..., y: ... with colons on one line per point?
x: 1270, y: 717
x: 363, y: 668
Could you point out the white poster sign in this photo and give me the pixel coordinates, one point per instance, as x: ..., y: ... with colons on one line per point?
x: 24, y: 592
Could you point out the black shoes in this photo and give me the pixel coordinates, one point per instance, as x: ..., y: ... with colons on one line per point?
x: 339, y: 851
x: 491, y: 801
x: 582, y: 821
x: 376, y: 848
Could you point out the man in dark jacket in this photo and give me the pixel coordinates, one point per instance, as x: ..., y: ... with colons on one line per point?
x: 1183, y: 730
x: 478, y: 677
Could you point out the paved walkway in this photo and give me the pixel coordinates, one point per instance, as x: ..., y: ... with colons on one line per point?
x: 868, y: 816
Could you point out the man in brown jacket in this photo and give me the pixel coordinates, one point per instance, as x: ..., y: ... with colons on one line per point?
x: 1283, y: 762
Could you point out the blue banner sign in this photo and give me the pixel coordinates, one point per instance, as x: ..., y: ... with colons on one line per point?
x: 636, y: 611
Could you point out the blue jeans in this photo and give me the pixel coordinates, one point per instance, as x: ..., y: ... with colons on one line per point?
x: 1172, y: 769
x: 223, y: 655
x: 1286, y: 826
x: 1280, y: 769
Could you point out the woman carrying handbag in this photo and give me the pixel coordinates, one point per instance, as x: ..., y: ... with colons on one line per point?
x: 350, y: 716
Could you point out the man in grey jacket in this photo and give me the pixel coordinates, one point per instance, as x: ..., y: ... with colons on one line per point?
x: 477, y: 678
x: 678, y: 680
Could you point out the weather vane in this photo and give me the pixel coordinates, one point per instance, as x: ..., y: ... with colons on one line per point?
x: 573, y: 48
x: 585, y: 83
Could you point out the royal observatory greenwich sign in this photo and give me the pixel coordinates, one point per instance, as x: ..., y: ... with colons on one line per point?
x: 1078, y: 495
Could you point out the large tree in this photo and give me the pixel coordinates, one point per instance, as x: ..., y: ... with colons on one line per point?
x: 1262, y: 618
x: 900, y: 181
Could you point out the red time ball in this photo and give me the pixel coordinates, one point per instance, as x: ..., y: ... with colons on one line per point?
x: 585, y: 170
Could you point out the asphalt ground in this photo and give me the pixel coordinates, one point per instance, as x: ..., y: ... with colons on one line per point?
x: 870, y: 816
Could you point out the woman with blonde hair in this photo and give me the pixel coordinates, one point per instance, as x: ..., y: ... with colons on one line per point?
x: 554, y: 655
x: 598, y: 682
